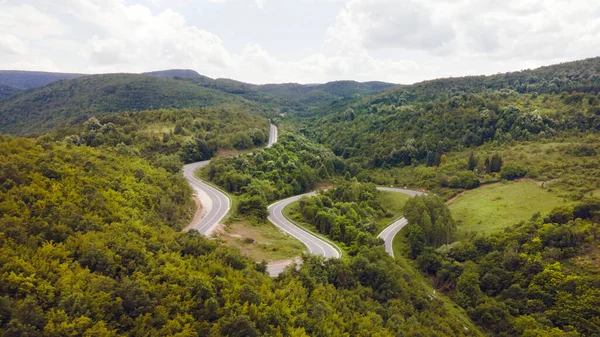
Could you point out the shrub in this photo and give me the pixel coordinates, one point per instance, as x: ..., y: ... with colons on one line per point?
x: 464, y: 179
x: 513, y: 171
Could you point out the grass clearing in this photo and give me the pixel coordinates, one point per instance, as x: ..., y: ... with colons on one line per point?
x: 261, y: 241
x: 393, y: 203
x: 493, y: 207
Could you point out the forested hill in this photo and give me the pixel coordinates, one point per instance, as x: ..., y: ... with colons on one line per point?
x: 7, y: 91
x: 172, y: 73
x: 300, y: 99
x: 582, y: 76
x: 314, y: 99
x: 405, y: 126
x: 65, y: 102
x: 32, y: 79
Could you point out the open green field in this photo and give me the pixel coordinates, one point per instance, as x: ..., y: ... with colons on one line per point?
x: 493, y: 207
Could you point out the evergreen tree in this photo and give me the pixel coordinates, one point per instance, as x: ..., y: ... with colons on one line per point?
x: 496, y: 163
x: 472, y: 162
x: 430, y: 159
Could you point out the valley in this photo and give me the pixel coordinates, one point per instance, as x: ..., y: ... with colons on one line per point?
x: 461, y: 206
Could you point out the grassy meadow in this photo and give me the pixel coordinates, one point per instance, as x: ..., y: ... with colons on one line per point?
x: 493, y: 207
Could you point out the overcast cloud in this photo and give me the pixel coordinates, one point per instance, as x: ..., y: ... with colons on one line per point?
x: 307, y: 41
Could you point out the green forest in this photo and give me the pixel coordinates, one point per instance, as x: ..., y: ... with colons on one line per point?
x: 506, y: 241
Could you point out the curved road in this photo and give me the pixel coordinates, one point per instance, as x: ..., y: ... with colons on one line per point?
x: 316, y: 245
x: 272, y: 135
x: 215, y: 204
x: 390, y: 231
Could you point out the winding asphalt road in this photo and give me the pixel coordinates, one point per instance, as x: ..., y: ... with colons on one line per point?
x: 390, y: 231
x: 315, y: 245
x: 272, y: 135
x: 215, y: 204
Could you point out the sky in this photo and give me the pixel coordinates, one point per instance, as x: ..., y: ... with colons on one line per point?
x: 303, y: 41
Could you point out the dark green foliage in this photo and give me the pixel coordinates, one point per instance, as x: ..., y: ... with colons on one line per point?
x: 169, y: 137
x: 513, y: 171
x: 347, y: 213
x: 431, y: 159
x: 7, y: 91
x: 311, y: 100
x: 464, y: 179
x: 66, y: 102
x: 535, y: 278
x: 293, y: 166
x: 253, y: 205
x: 401, y: 126
x: 197, y: 149
x: 495, y: 163
x: 472, y: 164
x: 429, y: 215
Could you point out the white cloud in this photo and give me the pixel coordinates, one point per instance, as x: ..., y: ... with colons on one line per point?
x: 134, y: 39
x: 376, y: 24
x: 393, y: 40
x: 27, y: 21
x: 12, y: 45
x: 260, y: 3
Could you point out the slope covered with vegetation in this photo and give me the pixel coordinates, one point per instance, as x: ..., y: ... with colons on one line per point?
x: 170, y: 137
x: 293, y: 98
x: 403, y: 126
x: 7, y: 91
x: 66, y: 102
x: 91, y: 245
x: 90, y: 214
x: 537, y: 278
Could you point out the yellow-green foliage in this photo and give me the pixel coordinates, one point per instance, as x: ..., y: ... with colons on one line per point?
x: 90, y: 245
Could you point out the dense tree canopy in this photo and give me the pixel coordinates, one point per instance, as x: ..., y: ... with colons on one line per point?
x: 536, y: 279
x: 90, y: 245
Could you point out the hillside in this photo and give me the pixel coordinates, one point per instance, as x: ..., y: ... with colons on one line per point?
x: 7, y: 91
x: 32, y: 79
x: 72, y: 101
x: 172, y: 73
x: 581, y: 76
x: 313, y: 99
x: 99, y: 249
x: 400, y: 127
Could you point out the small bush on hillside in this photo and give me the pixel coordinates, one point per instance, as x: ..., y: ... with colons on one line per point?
x: 513, y: 171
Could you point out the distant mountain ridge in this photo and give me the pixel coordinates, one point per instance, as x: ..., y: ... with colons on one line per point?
x: 71, y: 101
x: 172, y: 73
x: 32, y: 79
x: 7, y: 91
